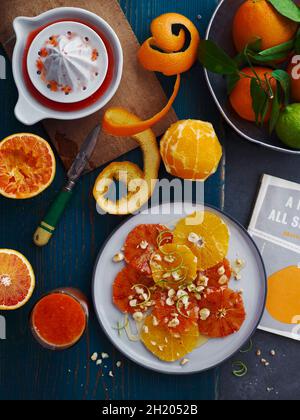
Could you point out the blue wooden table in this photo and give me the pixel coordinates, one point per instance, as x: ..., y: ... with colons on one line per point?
x: 26, y: 370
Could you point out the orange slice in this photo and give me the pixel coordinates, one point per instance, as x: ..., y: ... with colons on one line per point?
x: 27, y: 166
x: 165, y: 310
x: 142, y: 242
x: 166, y: 346
x: 219, y: 275
x: 226, y: 313
x: 124, y: 290
x: 207, y: 235
x: 17, y: 280
x: 173, y: 265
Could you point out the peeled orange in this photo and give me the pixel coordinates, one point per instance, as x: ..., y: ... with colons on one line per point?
x: 207, y: 235
x: 27, y: 166
x: 17, y: 280
x: 191, y: 150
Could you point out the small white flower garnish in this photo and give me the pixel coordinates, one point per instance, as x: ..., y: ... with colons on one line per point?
x: 203, y: 281
x: 181, y: 293
x: 223, y: 280
x: 221, y: 270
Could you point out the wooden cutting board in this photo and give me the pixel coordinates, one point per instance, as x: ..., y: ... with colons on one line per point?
x: 139, y: 91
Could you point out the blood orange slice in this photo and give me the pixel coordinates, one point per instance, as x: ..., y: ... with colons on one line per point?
x: 224, y: 312
x: 219, y: 275
x: 131, y: 291
x: 27, y: 166
x: 175, y: 314
x: 17, y: 280
x: 142, y: 242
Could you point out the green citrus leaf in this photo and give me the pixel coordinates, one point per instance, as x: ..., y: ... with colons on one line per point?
x: 276, y: 106
x: 214, y: 59
x: 297, y: 43
x: 287, y: 8
x: 259, y: 98
x: 232, y: 80
x: 284, y: 80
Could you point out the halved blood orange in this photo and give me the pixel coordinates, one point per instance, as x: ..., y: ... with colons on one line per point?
x: 173, y: 265
x: 27, y: 166
x: 219, y: 275
x: 124, y: 291
x: 166, y: 346
x: 140, y: 244
x: 226, y: 313
x: 207, y: 235
x: 186, y: 315
x: 17, y: 280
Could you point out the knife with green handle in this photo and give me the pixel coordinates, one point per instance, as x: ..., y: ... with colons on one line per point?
x: 47, y: 227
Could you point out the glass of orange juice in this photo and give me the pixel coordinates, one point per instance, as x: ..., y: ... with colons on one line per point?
x: 59, y: 319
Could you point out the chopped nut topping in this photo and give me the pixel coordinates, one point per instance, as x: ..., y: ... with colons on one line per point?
x: 138, y: 316
x: 171, y: 293
x: 119, y: 364
x: 133, y: 303
x: 170, y: 302
x: 118, y: 257
x: 258, y: 353
x: 184, y: 362
x: 204, y: 314
x: 203, y: 281
x: 99, y: 362
x: 161, y: 348
x: 153, y: 343
x: 173, y: 323
x: 273, y: 353
x: 155, y: 321
x: 104, y: 355
x: 146, y: 329
x: 111, y: 374
x: 221, y: 270
x: 94, y: 357
x: 169, y: 258
x: 223, y: 280
x: 193, y: 238
x: 143, y: 245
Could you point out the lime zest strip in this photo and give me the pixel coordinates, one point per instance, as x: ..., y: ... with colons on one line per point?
x: 239, y: 369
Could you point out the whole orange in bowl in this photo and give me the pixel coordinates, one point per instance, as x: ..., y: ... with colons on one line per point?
x: 190, y: 149
x: 241, y: 99
x: 259, y: 19
x: 294, y: 71
x: 27, y: 166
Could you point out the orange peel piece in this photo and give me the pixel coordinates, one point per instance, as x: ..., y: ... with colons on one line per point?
x: 166, y: 51
x: 171, y: 50
x: 140, y: 184
x: 115, y: 121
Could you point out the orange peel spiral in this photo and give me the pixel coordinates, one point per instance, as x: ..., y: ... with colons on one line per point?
x: 140, y: 184
x: 173, y: 47
x: 171, y: 50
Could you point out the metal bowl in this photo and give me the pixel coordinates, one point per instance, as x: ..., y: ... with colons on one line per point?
x: 219, y: 32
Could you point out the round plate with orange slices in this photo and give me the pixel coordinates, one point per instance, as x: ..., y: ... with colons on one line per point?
x: 179, y: 288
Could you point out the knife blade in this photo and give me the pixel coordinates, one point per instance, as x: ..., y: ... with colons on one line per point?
x: 47, y: 227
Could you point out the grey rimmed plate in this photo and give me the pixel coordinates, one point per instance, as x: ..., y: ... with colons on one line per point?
x: 219, y: 31
x: 215, y: 351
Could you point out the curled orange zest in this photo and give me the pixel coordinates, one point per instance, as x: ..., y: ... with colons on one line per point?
x: 173, y: 47
x: 140, y: 184
x: 115, y: 121
x: 171, y: 50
